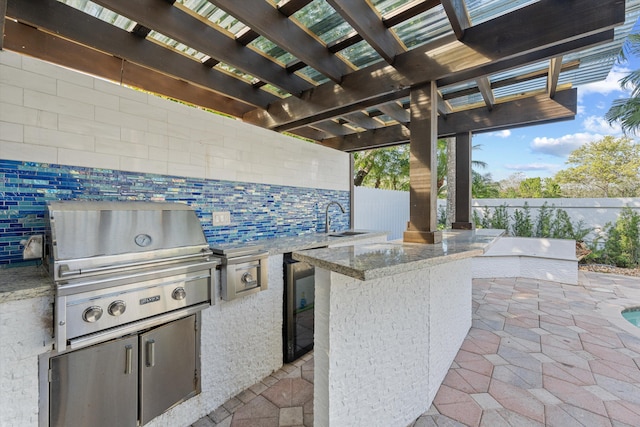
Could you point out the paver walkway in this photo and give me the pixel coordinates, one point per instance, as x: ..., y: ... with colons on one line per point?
x: 539, y: 353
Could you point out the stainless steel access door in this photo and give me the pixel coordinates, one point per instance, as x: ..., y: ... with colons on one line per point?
x: 168, y: 363
x: 96, y: 386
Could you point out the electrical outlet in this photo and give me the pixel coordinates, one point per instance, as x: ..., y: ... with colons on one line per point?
x: 221, y: 218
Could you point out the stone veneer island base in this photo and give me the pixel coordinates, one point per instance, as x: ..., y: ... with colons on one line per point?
x: 389, y: 321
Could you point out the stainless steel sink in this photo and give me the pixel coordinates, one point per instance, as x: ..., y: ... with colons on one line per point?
x: 346, y: 233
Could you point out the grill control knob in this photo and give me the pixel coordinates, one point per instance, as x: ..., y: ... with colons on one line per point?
x: 92, y: 314
x: 116, y: 308
x: 179, y: 294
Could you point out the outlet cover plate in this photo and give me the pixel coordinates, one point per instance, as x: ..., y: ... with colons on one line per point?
x: 221, y: 218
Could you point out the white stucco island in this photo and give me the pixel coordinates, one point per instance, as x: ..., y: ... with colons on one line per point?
x: 389, y: 320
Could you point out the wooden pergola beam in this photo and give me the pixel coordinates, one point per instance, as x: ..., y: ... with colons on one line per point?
x: 28, y: 40
x: 367, y: 23
x: 179, y: 23
x: 484, y: 85
x: 60, y: 19
x: 269, y: 22
x: 485, y: 51
x: 555, y: 66
x: 536, y: 109
x: 458, y: 15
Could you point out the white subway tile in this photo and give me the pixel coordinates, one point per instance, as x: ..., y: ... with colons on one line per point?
x: 190, y: 170
x: 120, y: 119
x: 10, y: 94
x: 57, y: 72
x: 156, y: 140
x: 28, y: 152
x: 88, y: 159
x: 161, y: 128
x: 134, y: 164
x: 11, y: 59
x: 179, y: 156
x: 55, y: 138
x: 24, y: 79
x: 133, y: 135
x: 116, y: 89
x: 172, y: 106
x: 141, y: 109
x: 87, y: 95
x: 161, y: 154
x: 87, y: 127
x: 176, y: 130
x: 121, y: 148
x: 55, y: 104
x: 28, y: 116
x: 13, y: 132
x: 179, y: 144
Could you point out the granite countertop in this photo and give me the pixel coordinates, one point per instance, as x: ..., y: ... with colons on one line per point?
x: 18, y: 283
x: 372, y: 261
x: 280, y: 245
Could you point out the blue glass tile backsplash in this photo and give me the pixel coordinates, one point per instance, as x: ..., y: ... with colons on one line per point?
x: 258, y: 211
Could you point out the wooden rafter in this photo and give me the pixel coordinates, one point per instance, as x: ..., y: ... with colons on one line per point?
x: 520, y: 78
x: 485, y: 51
x: 28, y: 40
x: 367, y: 23
x: 267, y: 21
x: 484, y: 86
x: 522, y: 112
x: 458, y: 15
x: 177, y: 23
x: 363, y: 120
x: 72, y: 24
x: 555, y: 66
x: 395, y: 111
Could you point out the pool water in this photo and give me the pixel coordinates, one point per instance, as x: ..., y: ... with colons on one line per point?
x: 632, y: 315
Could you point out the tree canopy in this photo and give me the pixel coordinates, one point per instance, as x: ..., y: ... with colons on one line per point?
x: 609, y: 167
x: 626, y: 111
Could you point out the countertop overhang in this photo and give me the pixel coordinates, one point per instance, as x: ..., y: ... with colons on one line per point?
x: 377, y: 260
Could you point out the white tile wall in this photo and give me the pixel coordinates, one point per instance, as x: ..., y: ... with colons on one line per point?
x: 55, y: 115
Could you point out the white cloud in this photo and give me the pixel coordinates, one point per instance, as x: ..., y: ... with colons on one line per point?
x: 532, y: 167
x: 599, y: 125
x: 561, y: 147
x: 607, y: 86
x: 502, y: 134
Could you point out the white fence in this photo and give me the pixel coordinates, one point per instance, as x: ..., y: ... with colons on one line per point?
x: 388, y: 210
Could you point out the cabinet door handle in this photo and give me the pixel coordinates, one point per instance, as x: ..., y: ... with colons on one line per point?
x: 128, y: 359
x: 151, y: 353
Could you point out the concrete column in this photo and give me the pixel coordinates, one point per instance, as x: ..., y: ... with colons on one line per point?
x: 463, y: 182
x: 423, y: 212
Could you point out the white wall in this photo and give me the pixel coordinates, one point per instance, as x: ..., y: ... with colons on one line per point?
x: 51, y: 114
x: 386, y: 210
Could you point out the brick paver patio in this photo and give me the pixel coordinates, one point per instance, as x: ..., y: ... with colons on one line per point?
x: 539, y: 353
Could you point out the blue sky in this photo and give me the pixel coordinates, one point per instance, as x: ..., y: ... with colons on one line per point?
x: 541, y: 151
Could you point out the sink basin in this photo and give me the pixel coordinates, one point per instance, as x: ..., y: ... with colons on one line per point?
x: 346, y: 233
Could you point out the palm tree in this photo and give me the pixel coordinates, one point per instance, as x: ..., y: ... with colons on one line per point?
x: 626, y: 111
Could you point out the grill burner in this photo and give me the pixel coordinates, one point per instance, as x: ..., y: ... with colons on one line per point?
x: 121, y: 267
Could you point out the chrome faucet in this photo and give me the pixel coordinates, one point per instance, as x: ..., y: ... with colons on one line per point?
x: 326, y: 214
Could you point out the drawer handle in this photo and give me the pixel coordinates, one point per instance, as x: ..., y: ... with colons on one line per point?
x: 151, y: 353
x: 128, y: 359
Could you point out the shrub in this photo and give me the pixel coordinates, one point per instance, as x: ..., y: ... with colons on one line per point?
x: 500, y: 218
x: 622, y: 246
x: 544, y: 222
x: 523, y: 226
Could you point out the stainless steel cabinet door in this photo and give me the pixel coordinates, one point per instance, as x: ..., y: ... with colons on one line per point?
x: 96, y: 386
x: 168, y: 367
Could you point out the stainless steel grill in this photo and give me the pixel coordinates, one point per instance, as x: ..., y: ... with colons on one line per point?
x: 121, y: 267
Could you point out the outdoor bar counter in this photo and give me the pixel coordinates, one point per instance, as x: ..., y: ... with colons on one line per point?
x: 389, y: 321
